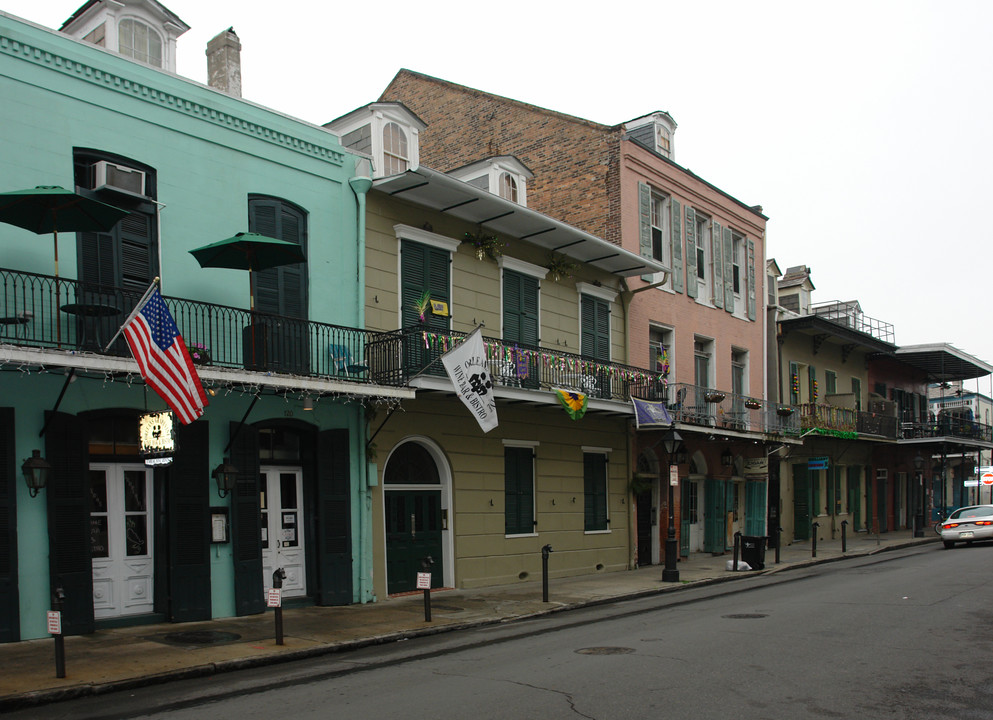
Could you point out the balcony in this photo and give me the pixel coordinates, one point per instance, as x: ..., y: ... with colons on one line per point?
x: 850, y: 316
x: 822, y: 416
x: 529, y: 367
x: 949, y: 426
x: 707, y: 407
x: 41, y: 311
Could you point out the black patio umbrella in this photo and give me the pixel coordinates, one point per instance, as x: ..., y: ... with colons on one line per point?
x: 249, y: 251
x: 50, y: 208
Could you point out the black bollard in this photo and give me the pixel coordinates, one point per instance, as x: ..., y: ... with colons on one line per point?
x: 426, y: 563
x: 60, y: 644
x: 278, y: 575
x: 779, y: 542
x: 544, y: 572
x: 844, y: 536
x: 737, y: 545
x: 813, y: 542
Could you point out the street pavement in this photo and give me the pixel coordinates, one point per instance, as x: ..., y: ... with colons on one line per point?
x: 123, y: 658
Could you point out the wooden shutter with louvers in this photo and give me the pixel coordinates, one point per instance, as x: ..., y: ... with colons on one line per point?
x: 751, y: 280
x: 68, y: 495
x: 246, y: 539
x: 10, y: 624
x: 280, y: 290
x: 189, y: 525
x: 518, y: 490
x: 595, y: 491
x: 595, y: 324
x: 691, y: 241
x: 645, y: 225
x: 676, y: 245
x: 520, y: 308
x: 728, y: 268
x: 717, y: 263
x: 334, y: 510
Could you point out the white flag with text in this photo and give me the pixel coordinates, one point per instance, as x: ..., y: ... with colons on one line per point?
x: 470, y: 374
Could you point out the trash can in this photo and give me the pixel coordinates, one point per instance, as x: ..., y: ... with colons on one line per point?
x: 753, y: 551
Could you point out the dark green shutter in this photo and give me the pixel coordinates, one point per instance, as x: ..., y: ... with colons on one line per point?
x: 714, y: 521
x: 423, y: 269
x: 645, y: 225
x: 676, y: 245
x: 189, y: 525
x: 802, y: 510
x: 728, y: 267
x: 691, y: 241
x: 595, y: 491
x: 334, y: 510
x: 520, y: 308
x: 595, y: 326
x: 720, y: 272
x: 68, y: 494
x: 518, y: 490
x: 10, y: 623
x: 755, y: 507
x: 793, y: 387
x: 751, y: 280
x: 811, y: 379
x: 246, y: 518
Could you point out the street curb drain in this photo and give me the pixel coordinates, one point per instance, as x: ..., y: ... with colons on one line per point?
x: 605, y: 651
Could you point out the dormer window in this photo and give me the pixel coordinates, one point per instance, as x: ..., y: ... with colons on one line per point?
x: 394, y: 149
x: 663, y: 140
x: 503, y: 175
x: 655, y: 132
x: 387, y: 132
x: 139, y: 41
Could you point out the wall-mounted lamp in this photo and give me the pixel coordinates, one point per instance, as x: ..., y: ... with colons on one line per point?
x: 35, y: 470
x: 226, y: 476
x: 918, y: 462
x: 727, y: 459
x: 308, y: 404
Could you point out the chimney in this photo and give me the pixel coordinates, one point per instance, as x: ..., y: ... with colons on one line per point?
x: 224, y: 63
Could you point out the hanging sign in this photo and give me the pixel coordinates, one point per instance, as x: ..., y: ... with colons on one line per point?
x: 817, y: 463
x: 156, y: 435
x: 756, y: 468
x: 674, y: 475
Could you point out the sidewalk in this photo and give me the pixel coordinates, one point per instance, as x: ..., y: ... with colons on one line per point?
x: 117, y: 659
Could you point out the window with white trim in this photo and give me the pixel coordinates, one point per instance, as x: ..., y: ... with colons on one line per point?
x: 395, y: 157
x: 139, y: 41
x: 508, y: 187
x: 661, y: 241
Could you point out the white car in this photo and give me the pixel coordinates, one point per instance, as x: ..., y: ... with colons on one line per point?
x: 967, y: 524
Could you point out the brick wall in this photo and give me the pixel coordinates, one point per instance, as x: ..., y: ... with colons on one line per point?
x: 575, y: 162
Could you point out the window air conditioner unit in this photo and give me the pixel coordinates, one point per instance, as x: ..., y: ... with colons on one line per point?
x: 119, y: 178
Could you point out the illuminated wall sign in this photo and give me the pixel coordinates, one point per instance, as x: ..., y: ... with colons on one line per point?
x: 156, y: 434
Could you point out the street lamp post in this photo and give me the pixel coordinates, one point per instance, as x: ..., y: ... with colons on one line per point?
x: 672, y: 442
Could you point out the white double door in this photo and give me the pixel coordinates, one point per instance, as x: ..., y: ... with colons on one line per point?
x: 121, y: 539
x: 281, y: 502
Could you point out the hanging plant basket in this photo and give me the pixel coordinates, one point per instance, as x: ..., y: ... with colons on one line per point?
x: 714, y: 397
x: 485, y: 245
x: 784, y: 411
x: 199, y: 354
x: 753, y: 404
x: 559, y: 266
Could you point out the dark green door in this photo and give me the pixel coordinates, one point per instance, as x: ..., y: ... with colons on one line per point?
x: 413, y: 532
x: 685, y: 512
x: 854, y: 497
x: 714, y: 530
x: 424, y: 271
x: 801, y: 502
x: 520, y: 326
x: 882, y: 486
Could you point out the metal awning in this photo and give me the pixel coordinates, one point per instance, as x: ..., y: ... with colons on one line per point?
x: 435, y: 190
x: 943, y: 363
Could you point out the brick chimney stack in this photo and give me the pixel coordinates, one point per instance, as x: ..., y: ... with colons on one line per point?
x: 224, y: 63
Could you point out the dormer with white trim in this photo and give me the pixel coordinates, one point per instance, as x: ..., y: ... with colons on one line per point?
x: 388, y: 132
x: 142, y: 30
x: 503, y: 175
x: 655, y: 131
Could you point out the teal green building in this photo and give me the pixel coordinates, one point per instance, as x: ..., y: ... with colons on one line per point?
x: 133, y: 528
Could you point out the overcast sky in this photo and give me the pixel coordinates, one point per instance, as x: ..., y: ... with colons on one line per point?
x: 862, y: 128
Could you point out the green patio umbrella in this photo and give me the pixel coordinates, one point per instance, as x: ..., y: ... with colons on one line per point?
x: 50, y: 208
x: 249, y: 251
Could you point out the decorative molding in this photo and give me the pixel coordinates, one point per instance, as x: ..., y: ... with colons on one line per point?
x: 406, y: 232
x: 169, y: 101
x: 604, y: 293
x: 522, y: 267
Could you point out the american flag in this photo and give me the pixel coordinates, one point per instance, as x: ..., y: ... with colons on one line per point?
x: 163, y: 358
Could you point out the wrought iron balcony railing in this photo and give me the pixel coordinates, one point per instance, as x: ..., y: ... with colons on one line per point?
x: 949, y: 426
x: 529, y: 367
x: 48, y: 312
x: 846, y: 420
x: 698, y: 405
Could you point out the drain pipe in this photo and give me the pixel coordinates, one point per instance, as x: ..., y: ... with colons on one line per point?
x: 361, y: 184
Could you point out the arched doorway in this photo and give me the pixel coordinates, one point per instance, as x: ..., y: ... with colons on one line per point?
x: 415, y: 495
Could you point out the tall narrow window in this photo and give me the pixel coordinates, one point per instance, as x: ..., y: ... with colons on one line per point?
x: 595, y: 491
x: 395, y: 157
x: 702, y: 351
x: 595, y: 314
x: 518, y: 475
x: 660, y: 234
x: 280, y: 290
x: 830, y: 382
x: 137, y: 40
x: 737, y: 260
x: 508, y: 187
